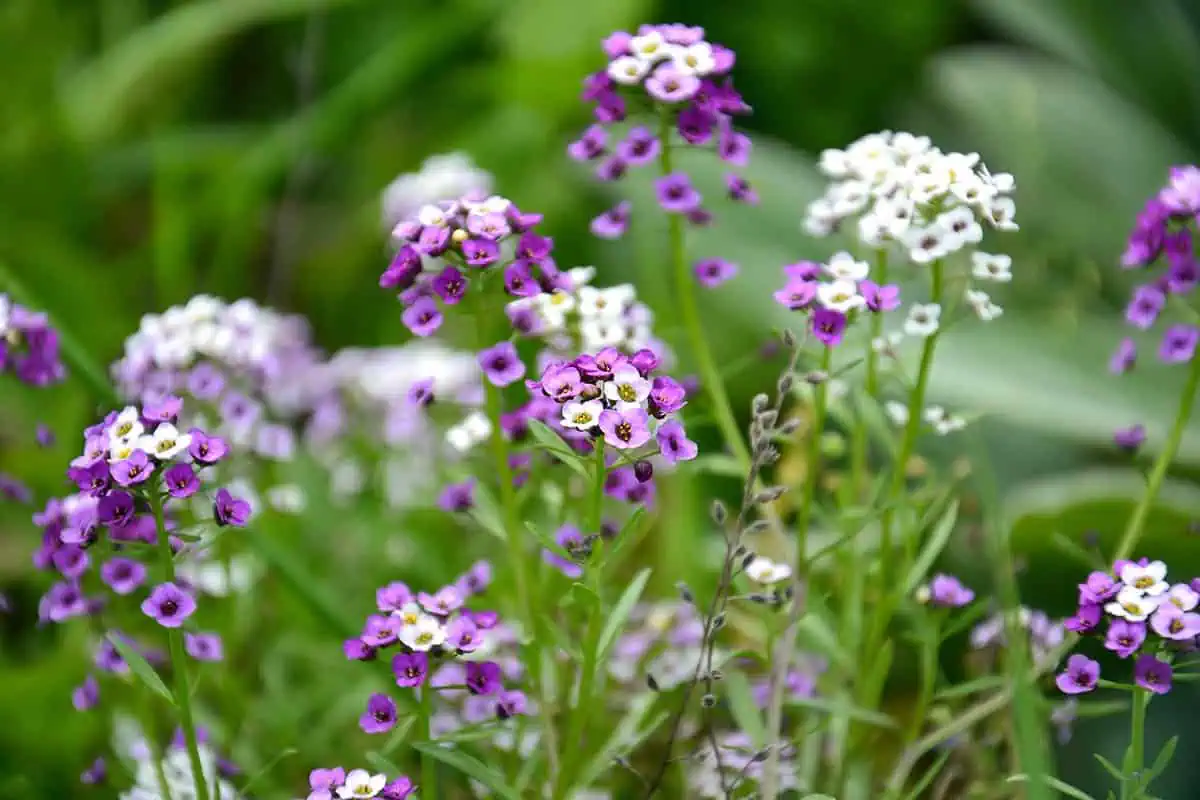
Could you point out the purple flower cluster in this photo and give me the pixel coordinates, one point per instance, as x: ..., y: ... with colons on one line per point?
x: 444, y: 244
x: 1147, y: 617
x: 833, y: 294
x: 674, y: 72
x: 618, y: 398
x: 28, y: 345
x: 1164, y: 227
x: 427, y: 629
x: 334, y: 783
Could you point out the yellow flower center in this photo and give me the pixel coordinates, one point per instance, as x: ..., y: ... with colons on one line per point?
x: 582, y: 418
x: 627, y: 393
x: 1130, y: 608
x: 1144, y: 582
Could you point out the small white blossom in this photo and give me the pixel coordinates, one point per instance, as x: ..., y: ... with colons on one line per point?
x: 840, y: 296
x: 475, y: 428
x: 650, y: 46
x: 596, y: 334
x: 1183, y: 597
x: 765, y: 571
x: 926, y: 245
x: 426, y: 633
x: 982, y: 305
x: 432, y: 215
x: 582, y: 416
x: 961, y: 224
x: 361, y: 785
x: 897, y: 412
x: 1000, y: 213
x: 1132, y: 605
x: 166, y: 442
x: 127, y: 427
x: 607, y: 303
x: 923, y: 319
x: 628, y: 70
x: 844, y: 267
x: 627, y: 389
x: 988, y: 267
x: 696, y: 59
x: 942, y: 422
x: 1149, y: 580
x: 888, y: 343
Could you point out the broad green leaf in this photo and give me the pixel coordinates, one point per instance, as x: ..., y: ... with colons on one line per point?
x: 744, y: 709
x: 932, y: 549
x: 620, y: 614
x: 470, y: 766
x: 141, y: 668
x: 554, y: 444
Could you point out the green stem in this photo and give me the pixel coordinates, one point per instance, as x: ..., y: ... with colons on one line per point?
x: 183, y: 697
x: 685, y: 296
x: 428, y: 762
x: 1137, y: 522
x: 929, y: 668
x: 1131, y: 786
x: 812, y: 461
x: 861, y: 441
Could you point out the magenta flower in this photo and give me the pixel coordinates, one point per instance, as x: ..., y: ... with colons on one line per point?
x: 230, y: 510
x: 712, y: 272
x: 380, y: 631
x: 797, y: 294
x: 510, y: 703
x: 462, y: 634
x: 948, y: 592
x: 1152, y: 674
x: 828, y: 326
x: 86, y: 695
x: 674, y: 444
x: 1145, y: 307
x: 450, y: 285
x: 1125, y: 637
x: 639, y: 147
x: 133, y: 470
x: 676, y: 194
x: 668, y: 85
x: 480, y: 252
x: 667, y: 396
x: 204, y: 646
x: 169, y: 605
x: 733, y: 147
x: 422, y: 317
x: 357, y: 650
x: 443, y: 602
x: 115, y: 508
x: 399, y: 789
x: 740, y: 190
x: 570, y: 539
x: 1130, y: 439
x: 625, y: 429
x: 590, y: 145
x: 501, y: 364
x: 1179, y: 344
x: 181, y: 481
x: 1086, y: 618
x: 458, y: 496
x: 1081, y: 675
x: 613, y: 223
x: 123, y: 575
x: 393, y: 597
x: 1099, y: 587
x: 880, y: 298
x: 323, y: 782
x: 484, y: 677
x: 410, y: 669
x: 206, y: 449
x: 380, y: 716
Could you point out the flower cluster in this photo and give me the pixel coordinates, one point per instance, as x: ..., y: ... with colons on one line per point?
x: 1147, y: 617
x: 428, y: 629
x: 445, y: 242
x: 440, y: 176
x: 1045, y: 634
x: 334, y: 783
x: 175, y: 769
x: 1162, y: 229
x: 833, y: 294
x: 674, y: 72
x: 617, y: 398
x: 945, y: 591
x: 28, y: 345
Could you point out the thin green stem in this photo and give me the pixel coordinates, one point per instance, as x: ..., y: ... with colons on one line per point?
x: 428, y: 762
x: 1131, y: 785
x: 860, y: 443
x: 685, y: 296
x: 183, y: 698
x: 929, y: 669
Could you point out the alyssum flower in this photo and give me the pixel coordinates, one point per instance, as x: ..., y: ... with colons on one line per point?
x: 834, y: 295
x: 28, y: 345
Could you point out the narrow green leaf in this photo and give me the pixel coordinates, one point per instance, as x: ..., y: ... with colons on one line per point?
x: 744, y: 709
x: 843, y: 708
x: 554, y: 444
x: 141, y: 668
x: 1162, y: 761
x: 486, y: 512
x: 620, y: 613
x: 471, y: 767
x: 815, y: 632
x: 917, y: 792
x: 625, y: 737
x: 628, y: 537
x: 1061, y: 787
x: 262, y: 773
x: 971, y: 687
x: 933, y: 547
x: 1110, y: 767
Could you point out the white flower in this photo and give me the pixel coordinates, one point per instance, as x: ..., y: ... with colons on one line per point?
x: 886, y: 345
x: 1130, y: 604
x: 982, y: 305
x: 988, y: 267
x: 627, y: 388
x: 5, y: 314
x: 628, y: 70
x: 895, y: 215
x: 844, y: 267
x: 1002, y: 182
x: 409, y: 614
x: 819, y: 219
x: 1183, y: 597
x: 426, y: 633
x: 764, y: 570
x: 850, y: 197
x: 834, y: 163
x: 582, y: 416
x: 973, y: 191
x: 1147, y: 580
x: 440, y: 176
x: 608, y: 303
x: 923, y: 319
x: 897, y: 412
x: 873, y: 230
x: 552, y: 309
x: 840, y: 296
x: 580, y: 276
x: 961, y: 224
x: 166, y: 442
x: 361, y: 784
x: 127, y: 427
x: 927, y: 244
x: 696, y: 59
x: 908, y: 146
x: 1000, y: 212
x: 650, y: 46
x: 596, y: 334
x: 119, y: 451
x: 943, y: 422
x: 432, y: 215
x: 471, y: 431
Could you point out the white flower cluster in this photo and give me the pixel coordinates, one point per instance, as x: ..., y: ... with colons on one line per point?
x: 178, y: 777
x: 127, y: 434
x: 585, y: 319
x: 652, y: 47
x: 899, y: 189
x: 382, y: 376
x: 938, y: 418
x: 440, y: 176
x: 1144, y: 591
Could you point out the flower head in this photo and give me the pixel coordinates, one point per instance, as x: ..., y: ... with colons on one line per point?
x: 1081, y: 675
x: 501, y: 364
x: 1152, y: 674
x: 169, y: 605
x: 380, y: 717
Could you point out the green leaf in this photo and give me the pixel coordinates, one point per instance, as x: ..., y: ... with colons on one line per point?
x: 933, y: 547
x: 629, y: 536
x: 486, y: 512
x: 843, y: 708
x: 141, y: 668
x: 1162, y: 761
x: 816, y: 633
x: 620, y: 614
x: 1110, y: 767
x: 1062, y: 788
x: 625, y: 737
x: 918, y: 789
x: 262, y: 773
x: 744, y: 709
x: 554, y: 444
x: 470, y: 766
x: 719, y: 464
x: 983, y: 684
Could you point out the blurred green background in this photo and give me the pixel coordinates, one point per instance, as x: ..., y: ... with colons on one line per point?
x: 152, y: 149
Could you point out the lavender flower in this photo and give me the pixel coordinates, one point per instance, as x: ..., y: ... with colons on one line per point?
x: 28, y: 345
x: 676, y: 194
x: 1152, y: 674
x: 712, y: 272
x: 501, y: 364
x: 169, y: 605
x: 458, y: 496
x: 1081, y: 675
x: 204, y: 646
x: 380, y: 716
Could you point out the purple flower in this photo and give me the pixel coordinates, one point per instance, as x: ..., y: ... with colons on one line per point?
x: 380, y: 631
x: 480, y: 252
x: 71, y: 561
x: 488, y: 225
x: 169, y: 605
x: 880, y: 298
x: 733, y: 147
x: 205, y: 449
x: 519, y: 280
x: 625, y: 429
x: 740, y: 190
x: 676, y: 194
x: 1172, y: 622
x: 673, y: 444
x: 410, y: 669
x: 399, y: 789
x: 1124, y: 358
x: 1145, y: 306
x: 357, y: 650
x: 711, y: 272
x: 181, y: 481
x: 501, y: 364
x: 797, y: 294
x: 639, y: 147
x: 458, y: 496
x: 562, y: 382
x: 276, y: 442
x: 162, y: 409
x: 695, y: 125
x: 94, y: 774
x: 1181, y: 195
x: 1152, y: 674
x: 323, y: 782
x: 511, y: 703
x: 230, y: 510
x: 115, y: 508
x: 205, y: 382
x: 443, y: 602
x: 450, y: 285
x: 611, y: 169
x: 667, y: 396
x: 403, y: 270
x: 590, y: 145
x: 133, y: 470
x: 204, y: 646
x: 1125, y: 637
x: 86, y: 695
x: 393, y: 597
x: 483, y: 677
x: 423, y: 317
x: 1085, y: 619
x: 570, y: 539
x: 476, y: 579
x: 1130, y: 439
x: 123, y: 575
x: 948, y: 592
x: 380, y: 716
x: 44, y: 435
x: 1081, y: 675
x: 612, y: 223
x: 1179, y: 344
x: 462, y: 634
x: 828, y: 326
x: 433, y: 240
x: 1098, y: 588
x: 668, y: 85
